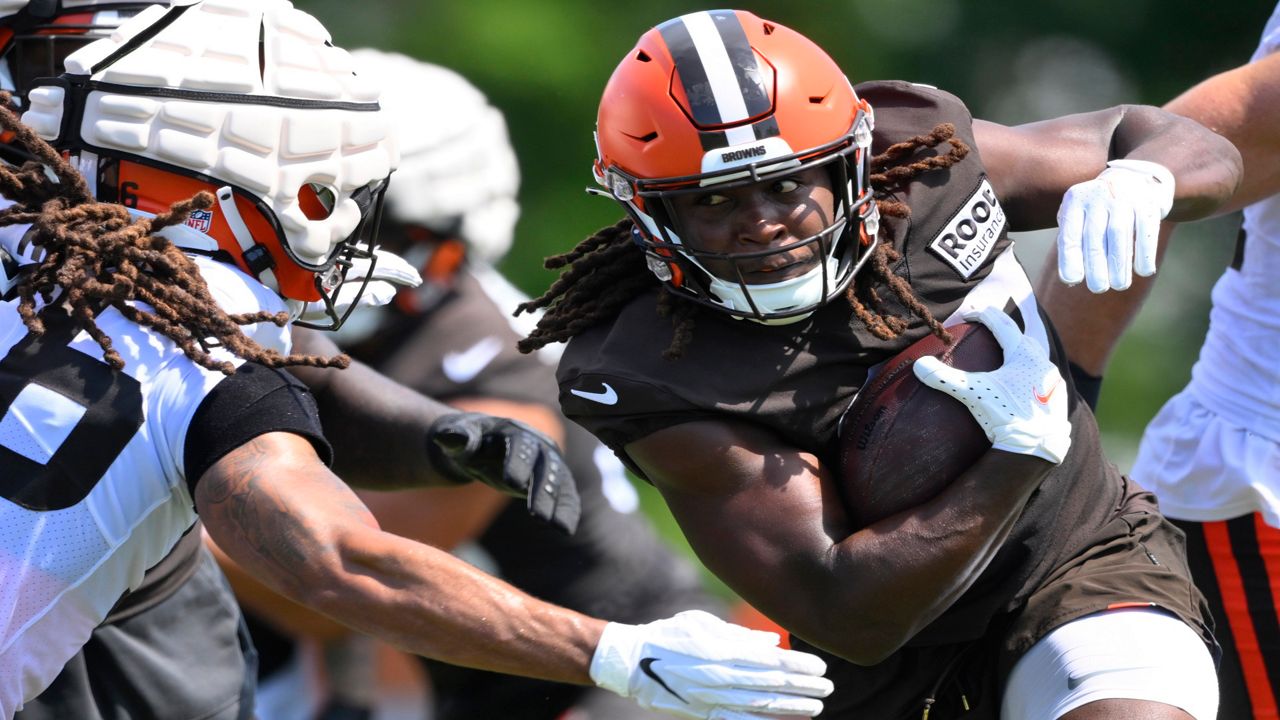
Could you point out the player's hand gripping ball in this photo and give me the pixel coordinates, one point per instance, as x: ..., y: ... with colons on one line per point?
x: 901, y: 442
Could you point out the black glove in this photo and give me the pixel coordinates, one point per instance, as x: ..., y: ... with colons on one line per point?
x: 509, y: 456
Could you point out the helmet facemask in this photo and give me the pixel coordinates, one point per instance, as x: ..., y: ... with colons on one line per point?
x: 357, y: 251
x: 718, y: 279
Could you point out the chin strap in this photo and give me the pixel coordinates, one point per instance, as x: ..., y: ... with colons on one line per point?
x: 254, y: 254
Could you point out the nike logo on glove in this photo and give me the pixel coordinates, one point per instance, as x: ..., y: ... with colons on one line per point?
x: 462, y: 367
x: 608, y: 397
x: 646, y: 666
x: 1044, y: 399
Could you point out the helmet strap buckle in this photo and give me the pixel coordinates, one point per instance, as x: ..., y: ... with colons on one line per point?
x: 256, y: 257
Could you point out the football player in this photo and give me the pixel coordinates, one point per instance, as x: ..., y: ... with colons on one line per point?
x: 452, y: 212
x: 784, y: 234
x: 224, y: 182
x: 1211, y: 454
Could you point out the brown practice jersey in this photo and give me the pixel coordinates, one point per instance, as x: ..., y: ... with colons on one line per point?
x: 798, y: 379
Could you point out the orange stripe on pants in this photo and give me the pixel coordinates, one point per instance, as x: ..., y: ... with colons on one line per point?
x: 1230, y: 583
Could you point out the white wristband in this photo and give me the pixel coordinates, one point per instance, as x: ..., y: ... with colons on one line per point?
x: 610, y: 665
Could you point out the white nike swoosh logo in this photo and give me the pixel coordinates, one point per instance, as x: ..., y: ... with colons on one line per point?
x: 608, y: 397
x: 461, y: 367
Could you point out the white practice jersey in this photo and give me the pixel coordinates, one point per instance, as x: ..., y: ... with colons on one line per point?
x: 92, y: 487
x: 1238, y: 374
x: 1236, y: 381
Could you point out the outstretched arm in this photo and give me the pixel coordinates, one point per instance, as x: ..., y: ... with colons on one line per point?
x: 1241, y: 105
x: 1031, y: 166
x: 447, y: 516
x: 387, y: 436
x: 376, y: 425
x: 275, y: 509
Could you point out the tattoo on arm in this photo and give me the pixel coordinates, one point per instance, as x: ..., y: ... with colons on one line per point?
x: 272, y: 505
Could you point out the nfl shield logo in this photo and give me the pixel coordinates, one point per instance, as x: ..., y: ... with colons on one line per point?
x: 201, y: 220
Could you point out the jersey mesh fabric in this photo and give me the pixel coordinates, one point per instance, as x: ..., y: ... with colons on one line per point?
x: 57, y: 584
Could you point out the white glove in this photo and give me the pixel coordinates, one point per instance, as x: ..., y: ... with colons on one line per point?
x: 1022, y: 405
x: 1101, y: 221
x: 695, y: 665
x: 389, y: 274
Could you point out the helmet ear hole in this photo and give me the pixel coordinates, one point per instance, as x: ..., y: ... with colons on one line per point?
x: 317, y: 200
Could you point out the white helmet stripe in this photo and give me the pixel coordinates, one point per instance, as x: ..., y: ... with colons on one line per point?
x: 720, y: 72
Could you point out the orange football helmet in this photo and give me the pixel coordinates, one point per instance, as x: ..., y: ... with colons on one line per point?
x: 724, y: 98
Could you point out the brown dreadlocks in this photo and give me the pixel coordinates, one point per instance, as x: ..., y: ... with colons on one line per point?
x: 98, y: 256
x: 607, y: 270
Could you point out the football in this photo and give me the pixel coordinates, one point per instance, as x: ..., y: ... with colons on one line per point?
x: 902, y: 442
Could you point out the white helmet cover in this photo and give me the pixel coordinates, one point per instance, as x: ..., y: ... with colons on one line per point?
x: 185, y: 87
x: 458, y: 173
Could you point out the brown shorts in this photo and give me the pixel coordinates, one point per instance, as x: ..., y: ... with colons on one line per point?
x: 1138, y: 558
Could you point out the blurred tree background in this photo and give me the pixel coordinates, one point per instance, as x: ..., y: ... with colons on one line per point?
x: 545, y: 63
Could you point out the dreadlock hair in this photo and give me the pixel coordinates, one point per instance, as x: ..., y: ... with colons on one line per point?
x: 99, y: 257
x: 888, y: 172
x: 607, y: 270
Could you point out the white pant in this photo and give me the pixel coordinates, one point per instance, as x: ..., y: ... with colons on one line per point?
x: 1138, y: 654
x: 1204, y: 467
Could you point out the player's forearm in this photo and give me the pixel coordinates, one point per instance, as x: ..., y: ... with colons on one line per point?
x: 377, y: 426
x: 427, y: 602
x: 1206, y: 167
x: 891, y: 579
x: 1242, y: 105
x: 793, y: 552
x: 276, y: 610
x: 283, y: 517
x: 860, y: 595
x: 378, y: 429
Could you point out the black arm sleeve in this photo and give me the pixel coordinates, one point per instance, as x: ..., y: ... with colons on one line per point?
x: 1089, y: 386
x: 254, y: 401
